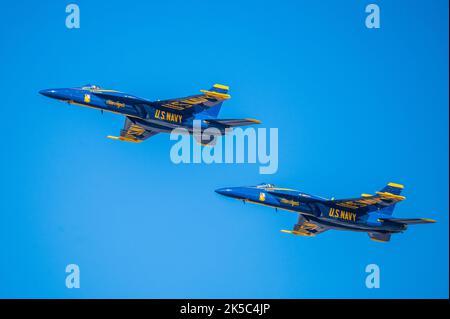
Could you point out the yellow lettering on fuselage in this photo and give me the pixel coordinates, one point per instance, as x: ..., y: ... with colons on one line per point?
x: 342, y: 214
x: 168, y: 116
x: 114, y: 103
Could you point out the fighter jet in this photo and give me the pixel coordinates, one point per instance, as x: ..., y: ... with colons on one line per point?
x: 145, y: 118
x: 369, y: 213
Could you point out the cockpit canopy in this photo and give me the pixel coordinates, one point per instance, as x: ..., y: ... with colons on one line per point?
x: 265, y: 185
x: 91, y: 87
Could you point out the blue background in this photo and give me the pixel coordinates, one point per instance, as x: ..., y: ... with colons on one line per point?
x: 355, y: 108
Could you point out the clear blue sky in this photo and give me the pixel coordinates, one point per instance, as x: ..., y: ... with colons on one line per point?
x: 355, y: 108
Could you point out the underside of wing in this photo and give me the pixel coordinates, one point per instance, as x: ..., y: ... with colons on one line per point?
x: 380, y: 237
x: 232, y: 122
x: 305, y: 227
x: 408, y: 221
x: 133, y: 132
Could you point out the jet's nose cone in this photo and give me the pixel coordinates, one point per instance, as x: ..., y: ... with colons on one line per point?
x: 233, y: 192
x: 224, y: 191
x: 48, y: 93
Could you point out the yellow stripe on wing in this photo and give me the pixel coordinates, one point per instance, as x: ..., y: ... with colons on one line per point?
x: 220, y: 86
x: 123, y: 138
x: 392, y: 196
x: 396, y: 185
x: 216, y: 95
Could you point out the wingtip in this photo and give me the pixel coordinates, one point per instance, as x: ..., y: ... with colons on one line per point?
x: 221, y: 86
x: 125, y: 139
x: 217, y: 95
x: 254, y: 121
x: 390, y: 195
x: 396, y: 185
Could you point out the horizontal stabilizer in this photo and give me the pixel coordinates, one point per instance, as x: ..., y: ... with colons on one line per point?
x: 232, y: 122
x: 408, y: 221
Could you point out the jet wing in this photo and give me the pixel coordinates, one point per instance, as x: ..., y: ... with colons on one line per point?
x: 232, y: 122
x: 371, y: 202
x: 133, y: 133
x: 306, y: 227
x: 408, y: 221
x: 196, y: 103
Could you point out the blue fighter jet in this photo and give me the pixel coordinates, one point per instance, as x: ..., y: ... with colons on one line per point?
x: 145, y: 118
x: 369, y: 213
